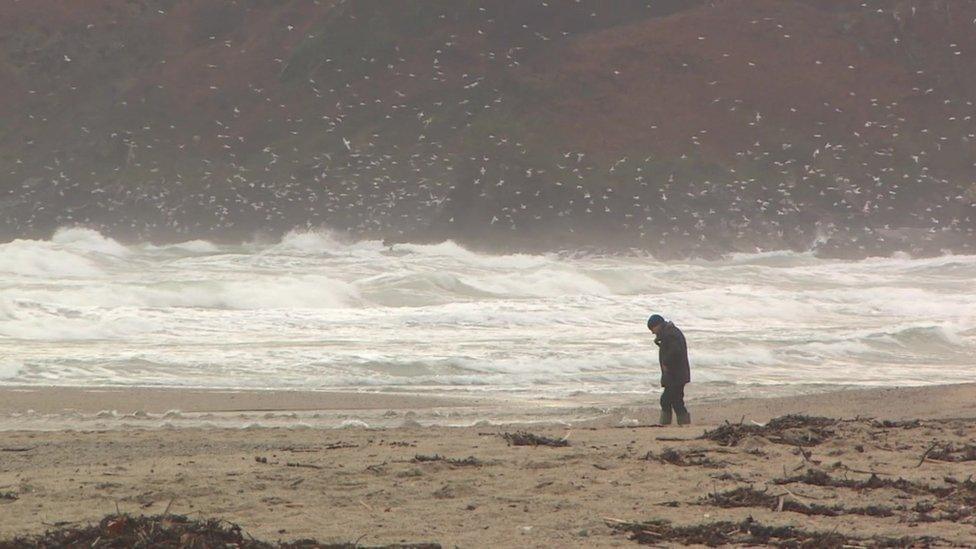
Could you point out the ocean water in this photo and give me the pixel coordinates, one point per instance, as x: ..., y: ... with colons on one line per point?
x: 315, y: 312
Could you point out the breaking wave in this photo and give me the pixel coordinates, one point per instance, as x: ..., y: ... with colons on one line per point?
x: 315, y: 309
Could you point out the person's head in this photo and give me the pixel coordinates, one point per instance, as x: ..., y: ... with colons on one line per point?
x: 655, y: 322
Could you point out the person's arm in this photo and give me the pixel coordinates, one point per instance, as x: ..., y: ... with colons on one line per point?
x: 669, y: 351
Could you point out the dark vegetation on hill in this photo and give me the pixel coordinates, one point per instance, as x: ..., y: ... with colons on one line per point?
x: 677, y: 127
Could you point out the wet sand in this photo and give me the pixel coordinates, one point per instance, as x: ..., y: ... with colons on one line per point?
x: 385, y: 486
x: 127, y: 400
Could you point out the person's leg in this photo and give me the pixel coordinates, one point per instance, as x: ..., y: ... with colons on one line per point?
x: 678, y: 403
x: 666, y: 407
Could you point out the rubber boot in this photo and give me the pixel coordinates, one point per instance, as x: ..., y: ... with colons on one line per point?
x: 684, y: 418
x: 665, y: 417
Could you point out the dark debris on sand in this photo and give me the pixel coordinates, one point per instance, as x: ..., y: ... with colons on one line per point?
x: 469, y: 461
x: 749, y: 497
x: 955, y: 501
x: 905, y: 424
x: 750, y: 532
x: 962, y: 490
x: 817, y: 477
x: 522, y: 438
x: 952, y: 453
x: 793, y: 429
x: 170, y: 531
x: 683, y: 458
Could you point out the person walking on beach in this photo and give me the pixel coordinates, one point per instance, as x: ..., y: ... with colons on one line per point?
x: 675, y: 371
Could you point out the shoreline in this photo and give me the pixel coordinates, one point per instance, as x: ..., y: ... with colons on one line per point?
x: 55, y: 399
x: 26, y: 408
x: 468, y: 487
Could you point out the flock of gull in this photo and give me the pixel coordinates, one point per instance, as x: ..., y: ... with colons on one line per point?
x: 442, y: 131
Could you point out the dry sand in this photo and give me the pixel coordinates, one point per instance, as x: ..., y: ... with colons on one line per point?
x: 368, y: 485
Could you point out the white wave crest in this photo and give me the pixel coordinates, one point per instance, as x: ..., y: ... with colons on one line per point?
x: 191, y: 246
x: 10, y: 369
x: 452, y: 251
x: 315, y: 309
x: 8, y: 309
x: 304, y: 292
x: 312, y: 242
x: 538, y: 283
x: 280, y: 292
x: 37, y: 258
x: 88, y: 240
x: 41, y: 322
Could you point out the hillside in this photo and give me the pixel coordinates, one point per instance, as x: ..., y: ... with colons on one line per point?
x: 678, y: 127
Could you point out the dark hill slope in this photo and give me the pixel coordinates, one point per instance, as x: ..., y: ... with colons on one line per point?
x: 674, y: 126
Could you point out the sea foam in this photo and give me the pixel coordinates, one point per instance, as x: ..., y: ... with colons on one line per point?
x: 319, y: 310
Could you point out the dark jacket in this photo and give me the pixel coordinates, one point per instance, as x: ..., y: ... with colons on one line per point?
x: 673, y: 356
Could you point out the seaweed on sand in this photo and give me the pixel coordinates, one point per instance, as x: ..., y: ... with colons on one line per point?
x: 905, y: 424
x: 817, y: 477
x: 793, y: 429
x: 938, y: 511
x: 469, y: 461
x: 750, y: 497
x: 169, y: 531
x: 952, y: 453
x: 953, y: 502
x: 683, y: 458
x: 751, y: 532
x: 963, y: 491
x: 522, y: 438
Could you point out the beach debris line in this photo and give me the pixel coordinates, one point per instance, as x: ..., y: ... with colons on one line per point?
x: 340, y: 445
x: 332, y: 446
x: 173, y: 531
x: 523, y: 438
x: 963, y: 490
x: 949, y: 452
x: 305, y: 465
x: 954, y: 501
x: 905, y: 424
x: 747, y: 496
x: 792, y: 429
x: 817, y: 477
x: 751, y: 532
x: 683, y: 458
x: 469, y: 461
x: 263, y: 459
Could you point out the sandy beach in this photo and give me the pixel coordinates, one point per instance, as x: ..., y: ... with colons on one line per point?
x: 415, y: 482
